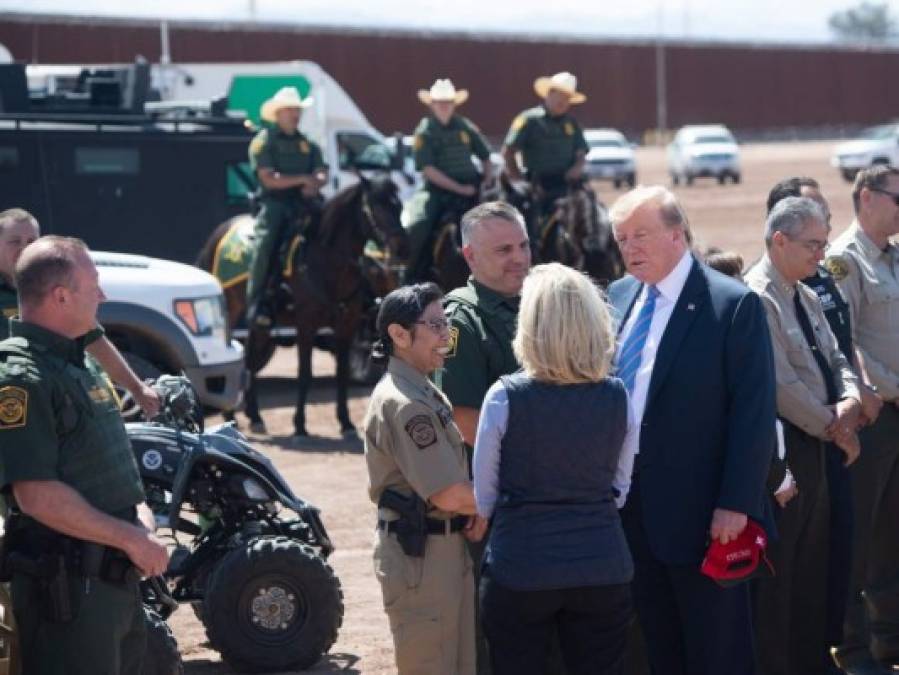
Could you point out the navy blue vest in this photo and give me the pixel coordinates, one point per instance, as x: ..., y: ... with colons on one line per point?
x: 555, y: 523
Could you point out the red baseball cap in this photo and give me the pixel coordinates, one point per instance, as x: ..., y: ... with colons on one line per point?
x: 738, y: 560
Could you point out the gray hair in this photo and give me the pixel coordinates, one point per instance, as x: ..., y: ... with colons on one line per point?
x: 473, y: 218
x: 790, y: 215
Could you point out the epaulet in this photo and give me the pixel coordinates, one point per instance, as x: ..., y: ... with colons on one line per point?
x: 837, y: 266
x: 471, y: 125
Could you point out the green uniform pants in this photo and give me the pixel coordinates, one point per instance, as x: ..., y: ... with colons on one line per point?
x: 420, y: 216
x: 271, y: 224
x: 872, y: 622
x: 107, y: 636
x: 430, y: 604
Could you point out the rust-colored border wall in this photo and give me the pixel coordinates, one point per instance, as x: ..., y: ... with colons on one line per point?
x: 745, y: 87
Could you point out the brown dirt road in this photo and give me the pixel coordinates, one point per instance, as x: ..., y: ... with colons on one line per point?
x: 331, y: 473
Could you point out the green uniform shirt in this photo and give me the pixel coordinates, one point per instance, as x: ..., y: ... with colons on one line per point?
x: 482, y: 325
x: 449, y: 147
x: 59, y: 420
x: 548, y: 145
x: 9, y: 305
x: 287, y: 154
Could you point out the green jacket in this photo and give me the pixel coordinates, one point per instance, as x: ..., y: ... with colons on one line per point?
x: 9, y: 306
x: 482, y: 325
x: 449, y: 147
x: 287, y: 154
x: 548, y: 145
x: 59, y: 420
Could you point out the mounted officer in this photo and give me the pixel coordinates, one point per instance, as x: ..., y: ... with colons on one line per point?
x: 444, y: 145
x: 550, y: 141
x: 291, y: 171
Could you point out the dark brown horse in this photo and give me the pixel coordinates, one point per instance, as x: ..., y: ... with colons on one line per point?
x: 576, y: 231
x: 330, y: 286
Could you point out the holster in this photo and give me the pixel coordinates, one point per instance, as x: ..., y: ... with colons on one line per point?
x: 411, y: 528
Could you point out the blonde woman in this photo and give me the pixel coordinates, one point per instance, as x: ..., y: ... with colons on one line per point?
x: 552, y: 465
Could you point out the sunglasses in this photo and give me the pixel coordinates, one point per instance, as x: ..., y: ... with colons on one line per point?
x: 893, y: 195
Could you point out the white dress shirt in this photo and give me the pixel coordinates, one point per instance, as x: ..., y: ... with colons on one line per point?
x: 669, y: 291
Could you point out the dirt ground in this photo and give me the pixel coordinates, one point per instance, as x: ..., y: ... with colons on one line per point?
x: 330, y: 472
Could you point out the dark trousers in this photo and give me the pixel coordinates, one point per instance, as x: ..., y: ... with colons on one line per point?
x: 691, y: 625
x: 839, y: 549
x: 107, y: 636
x: 592, y: 625
x: 791, y: 607
x: 872, y: 622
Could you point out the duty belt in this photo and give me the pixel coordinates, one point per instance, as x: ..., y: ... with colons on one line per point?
x: 432, y: 525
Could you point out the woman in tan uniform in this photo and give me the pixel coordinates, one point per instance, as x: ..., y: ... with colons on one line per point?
x: 418, y: 476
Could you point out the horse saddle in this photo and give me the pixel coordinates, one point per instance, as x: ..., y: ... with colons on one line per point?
x: 234, y: 253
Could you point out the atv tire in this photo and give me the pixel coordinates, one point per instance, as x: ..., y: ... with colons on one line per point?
x: 162, y: 656
x: 272, y: 604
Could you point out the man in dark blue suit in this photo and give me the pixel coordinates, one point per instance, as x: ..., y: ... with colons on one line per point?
x: 695, y: 354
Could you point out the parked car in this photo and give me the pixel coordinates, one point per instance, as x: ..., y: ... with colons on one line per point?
x: 704, y: 151
x: 166, y: 317
x: 611, y: 157
x: 875, y: 145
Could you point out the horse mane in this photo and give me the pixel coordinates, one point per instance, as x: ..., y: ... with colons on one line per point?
x: 335, y: 212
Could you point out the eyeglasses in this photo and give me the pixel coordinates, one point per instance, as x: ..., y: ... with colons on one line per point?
x: 436, y: 325
x: 895, y: 197
x: 812, y: 245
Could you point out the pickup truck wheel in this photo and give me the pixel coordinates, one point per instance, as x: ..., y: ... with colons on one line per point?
x: 848, y: 175
x: 131, y: 411
x: 632, y: 180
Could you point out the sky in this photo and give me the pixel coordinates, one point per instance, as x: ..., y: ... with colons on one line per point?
x: 729, y: 20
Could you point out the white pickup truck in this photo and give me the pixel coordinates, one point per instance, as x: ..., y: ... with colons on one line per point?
x: 875, y: 145
x: 166, y: 317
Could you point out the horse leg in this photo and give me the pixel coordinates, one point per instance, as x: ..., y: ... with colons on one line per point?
x: 251, y: 405
x: 304, y: 347
x: 343, y: 379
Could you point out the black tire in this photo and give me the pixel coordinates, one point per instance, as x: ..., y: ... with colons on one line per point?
x: 736, y: 178
x: 632, y: 180
x: 131, y: 411
x: 162, y: 656
x: 675, y: 179
x: 688, y: 179
x: 848, y: 175
x: 722, y: 178
x: 617, y: 183
x: 294, y: 580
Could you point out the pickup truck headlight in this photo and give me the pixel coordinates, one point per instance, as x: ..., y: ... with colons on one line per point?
x: 203, y: 317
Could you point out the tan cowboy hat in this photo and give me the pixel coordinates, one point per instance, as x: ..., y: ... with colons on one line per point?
x: 443, y: 90
x: 564, y: 82
x: 286, y: 97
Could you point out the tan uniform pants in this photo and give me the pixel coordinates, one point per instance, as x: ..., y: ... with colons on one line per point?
x: 430, y: 604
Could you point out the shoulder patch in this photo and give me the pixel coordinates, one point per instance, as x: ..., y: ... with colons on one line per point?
x: 519, y: 122
x: 421, y: 431
x: 418, y: 143
x: 13, y: 407
x: 569, y: 129
x: 257, y: 144
x: 304, y: 147
x: 837, y: 266
x: 464, y: 137
x: 453, y: 344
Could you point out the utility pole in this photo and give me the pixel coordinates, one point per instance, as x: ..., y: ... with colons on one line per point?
x: 661, y: 81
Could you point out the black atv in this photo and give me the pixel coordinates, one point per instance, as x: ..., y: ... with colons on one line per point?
x: 254, y: 560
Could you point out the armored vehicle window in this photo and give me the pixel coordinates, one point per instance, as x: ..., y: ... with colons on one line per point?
x: 9, y: 158
x: 105, y: 161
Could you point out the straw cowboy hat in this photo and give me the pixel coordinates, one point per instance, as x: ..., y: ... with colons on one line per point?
x: 443, y: 90
x: 286, y: 97
x: 564, y: 82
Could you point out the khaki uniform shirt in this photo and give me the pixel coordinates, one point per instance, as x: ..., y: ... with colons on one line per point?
x: 801, y: 390
x: 869, y: 280
x: 411, y: 441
